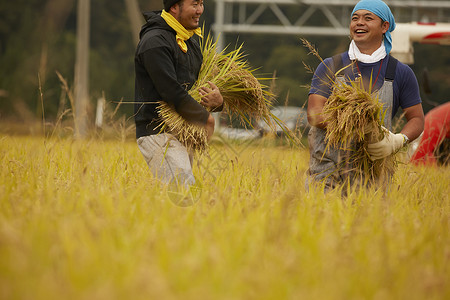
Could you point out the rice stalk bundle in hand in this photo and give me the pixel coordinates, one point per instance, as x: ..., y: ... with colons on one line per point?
x: 242, y: 93
x: 353, y: 116
x: 349, y: 111
x: 190, y: 135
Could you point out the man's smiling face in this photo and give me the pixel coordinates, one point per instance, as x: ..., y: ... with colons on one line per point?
x: 188, y: 13
x: 367, y: 30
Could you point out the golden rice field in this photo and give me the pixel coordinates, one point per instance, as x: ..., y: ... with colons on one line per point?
x: 86, y: 220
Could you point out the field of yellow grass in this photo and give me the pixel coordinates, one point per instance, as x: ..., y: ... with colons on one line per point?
x: 86, y: 220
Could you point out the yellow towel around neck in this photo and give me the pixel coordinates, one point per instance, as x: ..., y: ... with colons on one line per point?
x: 182, y: 33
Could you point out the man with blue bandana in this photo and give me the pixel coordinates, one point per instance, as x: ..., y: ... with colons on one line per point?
x: 367, y: 57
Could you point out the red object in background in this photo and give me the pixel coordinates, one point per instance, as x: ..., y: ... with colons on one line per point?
x: 436, y: 38
x: 437, y: 128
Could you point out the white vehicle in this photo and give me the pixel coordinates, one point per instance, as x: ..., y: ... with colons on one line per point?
x: 292, y: 117
x: 405, y: 34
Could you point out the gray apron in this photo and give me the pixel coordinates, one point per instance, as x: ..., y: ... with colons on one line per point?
x: 333, y: 167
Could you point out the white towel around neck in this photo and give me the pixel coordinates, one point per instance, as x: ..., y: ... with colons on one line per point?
x: 354, y: 53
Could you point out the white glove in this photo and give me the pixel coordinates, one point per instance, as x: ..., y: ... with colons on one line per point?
x: 388, y: 145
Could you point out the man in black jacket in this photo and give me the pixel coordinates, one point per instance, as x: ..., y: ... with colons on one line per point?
x: 167, y: 63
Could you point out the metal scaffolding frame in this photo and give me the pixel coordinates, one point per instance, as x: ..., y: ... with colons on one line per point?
x: 242, y: 16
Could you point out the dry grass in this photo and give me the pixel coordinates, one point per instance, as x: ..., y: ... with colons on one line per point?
x: 354, y: 119
x: 242, y: 92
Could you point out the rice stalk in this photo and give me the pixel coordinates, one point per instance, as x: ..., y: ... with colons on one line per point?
x: 354, y: 119
x: 242, y: 92
x: 69, y: 93
x: 191, y: 136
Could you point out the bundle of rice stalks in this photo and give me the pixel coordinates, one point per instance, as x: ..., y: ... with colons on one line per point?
x: 354, y: 117
x: 242, y: 92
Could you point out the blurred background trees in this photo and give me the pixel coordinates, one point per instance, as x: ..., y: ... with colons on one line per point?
x: 37, y: 39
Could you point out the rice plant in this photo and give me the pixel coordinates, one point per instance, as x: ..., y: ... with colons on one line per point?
x: 87, y: 220
x: 242, y: 92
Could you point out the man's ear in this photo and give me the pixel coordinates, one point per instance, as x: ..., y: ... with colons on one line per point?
x: 174, y: 8
x: 385, y: 26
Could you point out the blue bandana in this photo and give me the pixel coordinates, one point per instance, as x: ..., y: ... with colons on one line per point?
x: 380, y: 9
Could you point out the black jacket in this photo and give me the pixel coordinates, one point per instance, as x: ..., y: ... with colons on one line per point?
x: 164, y: 72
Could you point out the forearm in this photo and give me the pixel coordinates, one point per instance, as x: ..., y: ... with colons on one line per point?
x: 413, y: 128
x: 415, y: 122
x: 315, y: 109
x: 210, y: 123
x: 317, y: 120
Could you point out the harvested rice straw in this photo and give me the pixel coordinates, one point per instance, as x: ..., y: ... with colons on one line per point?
x: 190, y: 135
x: 242, y: 93
x: 354, y: 119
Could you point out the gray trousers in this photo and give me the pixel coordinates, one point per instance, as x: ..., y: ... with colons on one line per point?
x: 167, y: 158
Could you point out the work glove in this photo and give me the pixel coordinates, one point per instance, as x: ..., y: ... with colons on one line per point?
x: 390, y: 144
